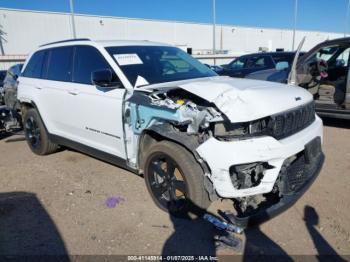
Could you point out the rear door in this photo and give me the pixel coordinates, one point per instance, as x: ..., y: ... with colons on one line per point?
x: 95, y: 113
x: 54, y: 87
x: 47, y: 94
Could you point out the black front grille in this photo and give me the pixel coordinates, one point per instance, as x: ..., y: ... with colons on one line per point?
x: 290, y: 122
x: 296, y: 175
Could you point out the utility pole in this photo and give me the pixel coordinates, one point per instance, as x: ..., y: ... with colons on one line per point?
x: 72, y: 18
x: 347, y: 19
x: 2, y: 39
x: 295, y: 21
x: 214, y: 27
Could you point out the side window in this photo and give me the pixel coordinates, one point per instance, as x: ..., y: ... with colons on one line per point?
x: 35, y: 65
x: 342, y: 59
x: 60, y: 64
x: 238, y: 63
x: 325, y: 53
x: 258, y: 62
x: 88, y: 59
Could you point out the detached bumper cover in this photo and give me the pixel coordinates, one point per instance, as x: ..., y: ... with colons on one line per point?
x: 286, y: 201
x: 221, y: 155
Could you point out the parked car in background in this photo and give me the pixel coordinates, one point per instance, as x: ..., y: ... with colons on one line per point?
x: 157, y: 111
x: 324, y: 71
x: 247, y: 64
x: 10, y: 86
x: 2, y: 77
x: 10, y: 117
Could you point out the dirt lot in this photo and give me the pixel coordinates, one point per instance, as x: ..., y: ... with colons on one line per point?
x: 56, y: 205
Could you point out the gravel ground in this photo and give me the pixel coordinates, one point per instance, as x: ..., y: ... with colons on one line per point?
x: 56, y: 205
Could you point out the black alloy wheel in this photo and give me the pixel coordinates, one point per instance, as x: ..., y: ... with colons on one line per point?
x: 167, y: 183
x: 32, y: 131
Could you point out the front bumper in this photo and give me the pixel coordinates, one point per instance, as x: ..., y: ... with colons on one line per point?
x: 286, y: 201
x: 221, y: 155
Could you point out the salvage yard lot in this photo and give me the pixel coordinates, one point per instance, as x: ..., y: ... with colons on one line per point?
x: 56, y: 204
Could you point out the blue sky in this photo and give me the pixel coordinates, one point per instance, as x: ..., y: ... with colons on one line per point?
x: 322, y: 15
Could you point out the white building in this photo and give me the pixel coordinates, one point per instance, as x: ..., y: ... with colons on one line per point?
x: 22, y: 31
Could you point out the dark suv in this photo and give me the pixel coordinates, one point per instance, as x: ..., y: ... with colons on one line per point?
x: 247, y: 64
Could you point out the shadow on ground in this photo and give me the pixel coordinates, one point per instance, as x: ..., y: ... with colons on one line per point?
x: 311, y: 219
x: 192, y: 236
x: 258, y: 243
x: 27, y: 229
x: 196, y: 237
x: 4, y: 135
x: 12, y: 136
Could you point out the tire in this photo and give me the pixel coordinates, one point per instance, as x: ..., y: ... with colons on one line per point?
x: 36, y: 134
x: 191, y: 198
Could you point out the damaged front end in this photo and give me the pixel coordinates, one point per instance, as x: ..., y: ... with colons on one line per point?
x: 174, y: 114
x: 296, y: 176
x: 264, y: 164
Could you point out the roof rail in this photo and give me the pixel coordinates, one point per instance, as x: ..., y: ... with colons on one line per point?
x: 68, y: 40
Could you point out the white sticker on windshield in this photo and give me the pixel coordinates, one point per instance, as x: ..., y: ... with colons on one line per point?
x: 128, y: 59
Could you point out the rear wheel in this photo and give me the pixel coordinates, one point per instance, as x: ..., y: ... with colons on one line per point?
x: 36, y: 134
x: 175, y: 180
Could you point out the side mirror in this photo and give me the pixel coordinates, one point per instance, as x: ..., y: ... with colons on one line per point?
x: 104, y: 78
x: 282, y: 65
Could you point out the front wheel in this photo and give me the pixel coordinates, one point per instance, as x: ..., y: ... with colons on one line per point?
x: 175, y: 180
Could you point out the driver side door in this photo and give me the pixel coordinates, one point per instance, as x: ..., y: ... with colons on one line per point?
x: 96, y: 111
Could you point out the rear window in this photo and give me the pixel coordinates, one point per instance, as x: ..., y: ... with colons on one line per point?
x: 35, y: 65
x: 60, y: 64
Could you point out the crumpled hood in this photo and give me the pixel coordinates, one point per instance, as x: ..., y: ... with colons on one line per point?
x: 243, y: 100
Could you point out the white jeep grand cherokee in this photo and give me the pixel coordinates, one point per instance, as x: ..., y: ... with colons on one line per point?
x: 155, y: 110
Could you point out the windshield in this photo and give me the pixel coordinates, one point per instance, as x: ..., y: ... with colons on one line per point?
x: 157, y: 64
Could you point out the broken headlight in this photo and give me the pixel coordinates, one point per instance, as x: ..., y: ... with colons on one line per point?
x: 231, y: 130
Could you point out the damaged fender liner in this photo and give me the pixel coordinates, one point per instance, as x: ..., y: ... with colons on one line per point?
x: 167, y: 130
x: 284, y: 204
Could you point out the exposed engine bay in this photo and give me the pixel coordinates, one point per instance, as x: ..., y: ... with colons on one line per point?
x: 176, y: 113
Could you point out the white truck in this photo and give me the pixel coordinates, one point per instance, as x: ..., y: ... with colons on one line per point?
x: 195, y: 137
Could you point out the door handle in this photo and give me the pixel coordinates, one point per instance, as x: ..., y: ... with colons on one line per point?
x: 38, y: 87
x: 73, y: 92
